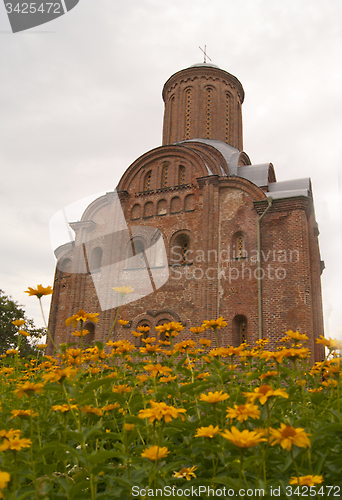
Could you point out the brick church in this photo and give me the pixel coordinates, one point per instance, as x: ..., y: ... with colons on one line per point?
x: 197, y: 231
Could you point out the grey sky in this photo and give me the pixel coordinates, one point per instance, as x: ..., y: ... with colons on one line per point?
x: 81, y: 99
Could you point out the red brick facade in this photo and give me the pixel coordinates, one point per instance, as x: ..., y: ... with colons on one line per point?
x: 201, y: 191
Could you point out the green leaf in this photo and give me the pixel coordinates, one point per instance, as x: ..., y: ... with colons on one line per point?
x: 99, y: 456
x: 92, y: 386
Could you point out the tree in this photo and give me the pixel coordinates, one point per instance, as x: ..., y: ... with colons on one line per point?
x: 10, y: 311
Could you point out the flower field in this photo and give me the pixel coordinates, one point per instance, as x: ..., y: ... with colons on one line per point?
x: 94, y: 422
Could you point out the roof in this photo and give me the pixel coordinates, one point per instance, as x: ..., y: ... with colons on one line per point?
x: 289, y: 189
x: 258, y: 174
x: 230, y: 154
x: 198, y: 65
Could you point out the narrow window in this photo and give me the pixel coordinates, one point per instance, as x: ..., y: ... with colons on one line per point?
x: 181, y: 175
x: 187, y: 114
x: 227, y: 116
x: 90, y: 336
x: 164, y: 175
x: 180, y: 247
x: 239, y: 330
x: 135, y: 254
x: 147, y: 182
x: 185, y: 248
x: 96, y: 259
x: 208, y: 113
x: 239, y: 246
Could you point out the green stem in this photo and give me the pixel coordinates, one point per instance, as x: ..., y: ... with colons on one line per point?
x: 114, y: 322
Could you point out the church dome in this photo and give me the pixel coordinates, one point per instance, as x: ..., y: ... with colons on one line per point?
x: 203, y: 101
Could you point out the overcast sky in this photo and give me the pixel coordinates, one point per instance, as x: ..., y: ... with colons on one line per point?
x: 81, y: 99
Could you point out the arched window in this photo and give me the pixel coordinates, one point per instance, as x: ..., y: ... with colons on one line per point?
x: 181, y: 175
x: 96, y: 259
x: 145, y: 324
x: 162, y: 207
x: 189, y: 203
x: 239, y: 246
x: 209, y: 92
x: 147, y: 181
x: 157, y: 254
x: 187, y: 114
x: 180, y: 246
x: 136, y: 211
x: 136, y: 254
x: 240, y: 334
x: 89, y: 338
x: 172, y: 113
x: 228, y: 97
x: 164, y: 175
x: 65, y: 266
x: 175, y: 205
x: 162, y: 335
x: 148, y: 209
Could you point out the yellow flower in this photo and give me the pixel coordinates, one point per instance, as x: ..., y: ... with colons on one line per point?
x: 90, y: 409
x: 12, y: 351
x: 28, y: 388
x: 123, y: 322
x: 185, y: 473
x: 39, y: 291
x: 143, y: 328
x: 287, y: 435
x: 205, y: 342
x: 63, y: 408
x: 270, y: 373
x: 155, y: 453
x: 59, y: 375
x: 244, y: 439
x: 128, y: 427
x: 149, y: 340
x: 293, y: 353
x: 214, y: 323
x: 214, y: 397
x: 197, y: 329
x: 81, y: 316
x: 161, y: 410
x: 23, y: 413
x: 4, y: 479
x: 307, y: 480
x: 149, y: 349
x: 15, y: 443
x: 23, y: 333
x: 123, y: 290
x: 207, y: 432
x: 202, y: 376
x: 242, y: 412
x: 296, y: 335
x: 110, y: 407
x: 18, y: 322
x: 263, y: 393
x: 41, y: 346
x: 173, y: 328
x: 77, y: 333
x: 158, y: 368
x: 122, y: 388
x: 167, y: 379
x: 137, y: 334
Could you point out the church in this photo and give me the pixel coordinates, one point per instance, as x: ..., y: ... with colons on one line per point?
x: 195, y: 231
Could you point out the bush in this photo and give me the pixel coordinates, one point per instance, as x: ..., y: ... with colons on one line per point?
x: 120, y: 422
